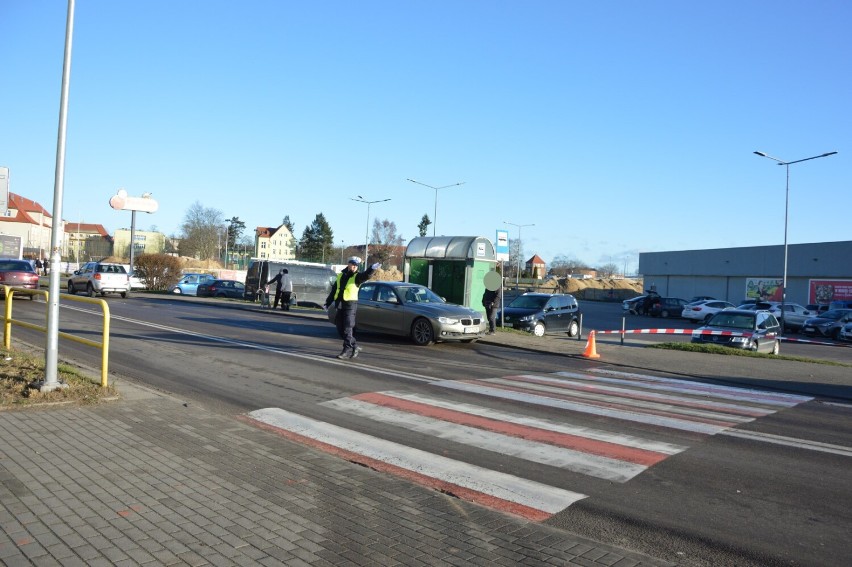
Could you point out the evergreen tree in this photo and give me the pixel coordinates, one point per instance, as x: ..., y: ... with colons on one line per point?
x: 317, y: 241
x: 424, y: 225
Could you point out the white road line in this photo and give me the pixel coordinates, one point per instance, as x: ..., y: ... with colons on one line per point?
x: 790, y: 442
x: 499, y: 485
x: 543, y: 453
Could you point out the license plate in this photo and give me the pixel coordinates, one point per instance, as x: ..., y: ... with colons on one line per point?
x: 808, y: 329
x: 469, y: 330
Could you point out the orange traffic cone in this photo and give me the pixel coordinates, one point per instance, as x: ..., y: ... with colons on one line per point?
x: 591, y: 351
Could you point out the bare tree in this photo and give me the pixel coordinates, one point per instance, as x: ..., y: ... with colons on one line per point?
x: 607, y: 270
x: 201, y: 232
x: 384, y: 239
x: 563, y: 265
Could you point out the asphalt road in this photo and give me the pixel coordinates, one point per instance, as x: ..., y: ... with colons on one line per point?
x: 711, y: 476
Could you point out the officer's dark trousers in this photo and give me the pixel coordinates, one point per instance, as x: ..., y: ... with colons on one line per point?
x: 345, y: 322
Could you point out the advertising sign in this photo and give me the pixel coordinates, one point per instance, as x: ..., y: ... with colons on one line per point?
x: 823, y: 292
x: 501, y: 248
x: 764, y: 289
x: 11, y: 246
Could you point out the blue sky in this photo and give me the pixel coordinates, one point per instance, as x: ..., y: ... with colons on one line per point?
x: 614, y: 127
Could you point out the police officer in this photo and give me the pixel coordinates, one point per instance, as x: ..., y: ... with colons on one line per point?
x: 344, y: 295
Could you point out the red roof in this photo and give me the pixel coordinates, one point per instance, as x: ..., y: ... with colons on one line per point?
x: 536, y: 260
x: 26, y: 209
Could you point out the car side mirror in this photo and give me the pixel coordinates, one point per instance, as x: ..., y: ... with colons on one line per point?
x: 76, y: 272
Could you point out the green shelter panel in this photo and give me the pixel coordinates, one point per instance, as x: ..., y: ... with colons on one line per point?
x: 477, y: 283
x: 448, y: 280
x: 419, y: 271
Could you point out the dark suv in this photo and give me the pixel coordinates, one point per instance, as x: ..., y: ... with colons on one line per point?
x: 668, y: 307
x: 541, y: 313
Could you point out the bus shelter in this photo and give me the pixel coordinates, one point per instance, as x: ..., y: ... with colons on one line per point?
x: 454, y: 267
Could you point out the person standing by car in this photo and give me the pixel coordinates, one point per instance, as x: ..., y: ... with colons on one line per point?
x: 278, y: 280
x: 344, y: 295
x: 491, y: 299
x: 38, y: 266
x: 286, y: 289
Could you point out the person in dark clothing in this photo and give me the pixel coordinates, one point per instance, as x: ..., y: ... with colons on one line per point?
x: 283, y: 288
x: 491, y: 302
x: 344, y: 296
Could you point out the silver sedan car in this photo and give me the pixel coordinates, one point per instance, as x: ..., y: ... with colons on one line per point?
x: 415, y: 311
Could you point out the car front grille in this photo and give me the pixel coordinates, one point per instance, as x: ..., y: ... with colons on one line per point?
x: 468, y: 322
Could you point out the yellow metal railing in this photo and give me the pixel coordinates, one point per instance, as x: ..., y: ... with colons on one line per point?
x: 9, y: 293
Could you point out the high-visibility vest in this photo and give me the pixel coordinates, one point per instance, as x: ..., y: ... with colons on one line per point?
x: 350, y: 292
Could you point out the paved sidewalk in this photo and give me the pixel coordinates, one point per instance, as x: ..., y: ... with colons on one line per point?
x: 150, y: 480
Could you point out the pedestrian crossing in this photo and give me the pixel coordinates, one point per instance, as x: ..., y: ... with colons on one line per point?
x: 657, y: 404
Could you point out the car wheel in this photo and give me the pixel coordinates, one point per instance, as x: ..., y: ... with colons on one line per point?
x: 664, y: 314
x: 90, y: 291
x: 776, y: 348
x: 71, y: 289
x: 422, y: 333
x: 220, y: 295
x: 755, y: 346
x: 573, y: 328
x: 123, y: 294
x: 538, y: 329
x: 177, y: 291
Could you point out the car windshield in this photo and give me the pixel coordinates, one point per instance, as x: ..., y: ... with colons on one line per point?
x: 834, y: 314
x: 419, y: 295
x: 529, y: 301
x: 15, y: 266
x: 732, y: 320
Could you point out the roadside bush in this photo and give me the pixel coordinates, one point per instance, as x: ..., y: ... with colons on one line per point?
x: 158, y: 272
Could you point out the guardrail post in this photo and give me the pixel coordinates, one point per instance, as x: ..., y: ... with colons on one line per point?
x: 580, y: 333
x: 623, y: 326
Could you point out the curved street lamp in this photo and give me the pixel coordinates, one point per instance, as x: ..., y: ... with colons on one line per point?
x: 361, y: 199
x: 787, y: 165
x: 435, y: 215
x: 518, y: 272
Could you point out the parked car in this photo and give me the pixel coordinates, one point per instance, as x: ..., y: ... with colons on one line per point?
x: 701, y: 298
x: 100, y: 278
x: 188, y: 284
x: 222, y: 288
x: 702, y: 310
x: 541, y: 313
x: 668, y: 307
x: 840, y: 304
x: 743, y: 329
x: 794, y: 315
x: 845, y: 332
x: 816, y: 309
x: 18, y: 273
x: 415, y: 311
x: 135, y: 282
x: 827, y: 324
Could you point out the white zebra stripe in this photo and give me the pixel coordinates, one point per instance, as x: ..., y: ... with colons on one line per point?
x: 701, y: 388
x: 546, y: 424
x: 637, y: 404
x: 499, y: 485
x: 657, y: 420
x: 550, y: 455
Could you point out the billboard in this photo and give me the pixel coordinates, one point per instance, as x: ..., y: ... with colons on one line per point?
x: 823, y: 292
x: 764, y: 289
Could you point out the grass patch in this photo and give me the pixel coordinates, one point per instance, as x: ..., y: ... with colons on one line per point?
x: 22, y: 369
x: 728, y: 351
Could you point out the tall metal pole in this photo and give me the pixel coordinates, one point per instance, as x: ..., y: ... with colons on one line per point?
x: 361, y: 199
x: 787, y: 165
x: 435, y: 215
x: 518, y: 272
x: 51, y: 351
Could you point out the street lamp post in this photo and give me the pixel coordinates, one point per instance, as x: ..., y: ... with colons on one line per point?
x: 361, y: 199
x: 435, y: 214
x: 787, y: 165
x: 518, y: 272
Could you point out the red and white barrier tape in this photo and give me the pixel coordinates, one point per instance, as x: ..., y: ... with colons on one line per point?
x: 718, y: 333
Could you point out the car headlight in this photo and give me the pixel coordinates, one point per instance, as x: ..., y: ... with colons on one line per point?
x: 526, y: 318
x: 739, y: 340
x: 447, y: 320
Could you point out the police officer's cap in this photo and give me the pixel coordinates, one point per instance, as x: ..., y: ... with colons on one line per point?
x: 354, y: 260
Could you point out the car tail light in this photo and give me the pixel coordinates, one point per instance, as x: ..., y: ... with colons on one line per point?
x: 696, y: 309
x: 97, y: 276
